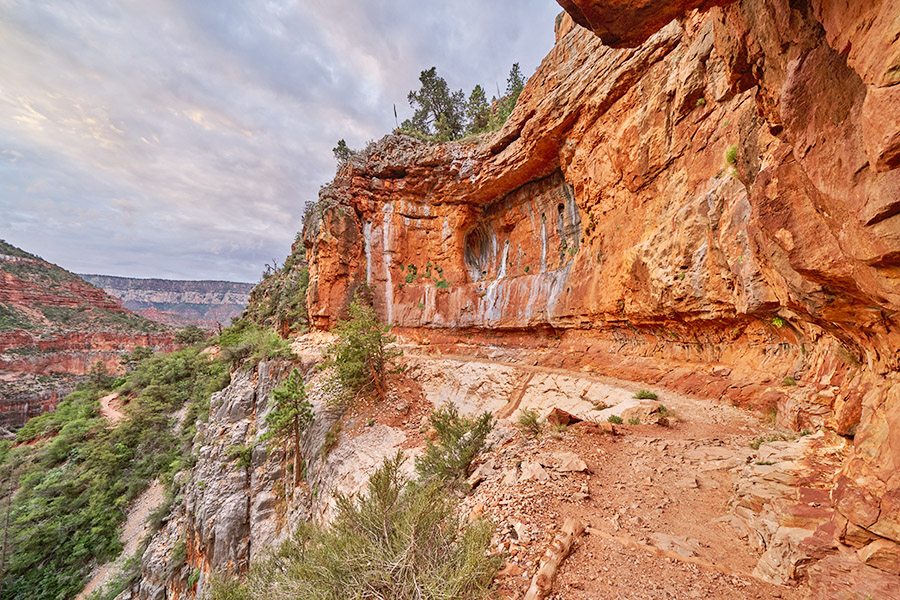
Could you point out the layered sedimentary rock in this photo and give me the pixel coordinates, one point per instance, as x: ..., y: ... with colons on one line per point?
x: 177, y: 302
x: 720, y: 202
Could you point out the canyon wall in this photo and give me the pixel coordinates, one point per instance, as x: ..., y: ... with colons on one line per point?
x: 177, y: 302
x: 714, y: 209
x: 54, y: 328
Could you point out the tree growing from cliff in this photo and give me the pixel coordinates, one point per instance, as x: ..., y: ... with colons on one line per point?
x: 504, y: 106
x: 290, y: 417
x: 438, y: 111
x: 342, y: 152
x: 363, y: 355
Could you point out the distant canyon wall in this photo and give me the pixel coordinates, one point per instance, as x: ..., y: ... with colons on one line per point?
x: 177, y: 302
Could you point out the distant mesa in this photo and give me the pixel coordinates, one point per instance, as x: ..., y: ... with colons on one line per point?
x: 177, y: 302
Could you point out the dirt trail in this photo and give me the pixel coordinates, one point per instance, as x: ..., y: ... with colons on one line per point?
x: 132, y: 534
x: 112, y: 414
x: 656, y: 499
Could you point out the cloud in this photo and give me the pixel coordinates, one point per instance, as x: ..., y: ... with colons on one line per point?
x: 182, y: 138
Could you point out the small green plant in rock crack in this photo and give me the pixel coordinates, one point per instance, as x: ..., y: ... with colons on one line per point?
x: 616, y: 419
x: 646, y: 395
x: 774, y: 437
x: 634, y: 421
x: 331, y: 439
x: 530, y: 422
x: 731, y: 155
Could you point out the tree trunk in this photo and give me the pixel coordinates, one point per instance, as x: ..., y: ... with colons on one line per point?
x: 296, y: 452
x: 557, y: 552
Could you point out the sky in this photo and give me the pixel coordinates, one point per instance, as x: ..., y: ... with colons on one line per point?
x: 182, y: 138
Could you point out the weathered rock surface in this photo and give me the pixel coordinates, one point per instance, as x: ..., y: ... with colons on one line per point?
x: 715, y: 210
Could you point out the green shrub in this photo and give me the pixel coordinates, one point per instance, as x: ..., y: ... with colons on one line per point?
x: 397, y: 541
x: 241, y: 453
x: 634, y: 421
x: 245, y: 340
x: 615, y: 419
x: 530, y: 422
x: 788, y: 382
x: 363, y: 354
x: 646, y: 395
x: 663, y: 412
x: 191, y: 335
x: 731, y: 155
x: 459, y: 441
x: 778, y: 322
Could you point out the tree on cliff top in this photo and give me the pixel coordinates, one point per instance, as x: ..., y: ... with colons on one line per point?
x: 438, y: 111
x: 477, y: 111
x: 442, y: 116
x: 342, y: 152
x: 290, y: 417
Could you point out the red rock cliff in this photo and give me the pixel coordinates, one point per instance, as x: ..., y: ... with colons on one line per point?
x: 714, y: 209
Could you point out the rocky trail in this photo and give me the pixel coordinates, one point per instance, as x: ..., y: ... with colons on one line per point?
x: 659, y: 502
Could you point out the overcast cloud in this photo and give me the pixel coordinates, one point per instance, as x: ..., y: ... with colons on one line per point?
x: 182, y: 138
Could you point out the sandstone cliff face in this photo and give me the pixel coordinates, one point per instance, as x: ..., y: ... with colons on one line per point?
x: 715, y: 209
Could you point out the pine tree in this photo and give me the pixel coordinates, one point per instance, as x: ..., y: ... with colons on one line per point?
x: 514, y: 83
x: 438, y: 111
x: 291, y: 415
x: 477, y: 111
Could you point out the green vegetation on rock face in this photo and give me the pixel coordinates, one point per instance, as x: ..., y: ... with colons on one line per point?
x: 10, y: 250
x: 399, y: 540
x: 74, y: 475
x: 279, y: 300
x: 246, y: 340
x: 363, y: 354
